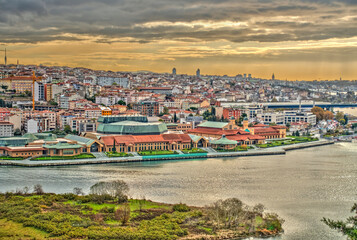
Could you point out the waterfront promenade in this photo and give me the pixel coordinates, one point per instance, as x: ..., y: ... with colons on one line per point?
x: 136, y: 158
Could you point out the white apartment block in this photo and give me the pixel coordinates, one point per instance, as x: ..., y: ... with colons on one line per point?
x: 109, y: 81
x: 285, y: 117
x: 271, y: 117
x: 297, y: 116
x: 6, y: 129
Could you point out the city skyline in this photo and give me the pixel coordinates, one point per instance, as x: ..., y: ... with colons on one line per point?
x: 299, y: 40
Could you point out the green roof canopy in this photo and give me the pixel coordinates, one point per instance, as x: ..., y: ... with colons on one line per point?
x: 223, y: 141
x: 62, y: 145
x: 79, y: 139
x: 133, y: 128
x: 210, y: 124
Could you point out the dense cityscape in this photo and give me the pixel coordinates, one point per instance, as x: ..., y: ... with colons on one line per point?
x: 190, y: 119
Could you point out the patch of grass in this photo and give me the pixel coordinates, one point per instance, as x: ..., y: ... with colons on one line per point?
x: 236, y: 149
x: 12, y: 230
x: 133, y: 203
x: 80, y: 156
x: 11, y: 158
x: 206, y: 229
x: 118, y: 154
x: 164, y: 152
x: 193, y: 150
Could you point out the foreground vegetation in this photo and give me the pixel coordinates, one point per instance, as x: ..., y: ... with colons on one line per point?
x: 107, y: 213
x: 80, y: 156
x: 347, y: 227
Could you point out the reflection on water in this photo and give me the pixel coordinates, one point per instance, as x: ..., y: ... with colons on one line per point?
x: 302, y: 186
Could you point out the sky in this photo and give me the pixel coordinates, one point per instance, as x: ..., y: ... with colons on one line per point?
x: 295, y: 40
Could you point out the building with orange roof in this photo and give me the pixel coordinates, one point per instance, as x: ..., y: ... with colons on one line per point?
x: 135, y: 143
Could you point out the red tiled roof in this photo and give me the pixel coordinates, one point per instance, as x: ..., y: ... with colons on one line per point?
x: 215, y: 131
x: 131, y: 139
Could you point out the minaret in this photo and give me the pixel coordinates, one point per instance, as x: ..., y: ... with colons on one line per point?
x: 5, y: 57
x: 273, y: 77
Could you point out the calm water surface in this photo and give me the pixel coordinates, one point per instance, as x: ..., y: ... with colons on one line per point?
x: 302, y: 186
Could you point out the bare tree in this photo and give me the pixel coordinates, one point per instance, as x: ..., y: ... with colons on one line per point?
x: 37, y: 189
x: 78, y: 191
x: 226, y: 212
x: 117, y: 189
x: 26, y: 190
x: 122, y: 214
x: 142, y: 202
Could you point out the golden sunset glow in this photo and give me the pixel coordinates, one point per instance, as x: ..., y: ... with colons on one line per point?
x: 302, y: 40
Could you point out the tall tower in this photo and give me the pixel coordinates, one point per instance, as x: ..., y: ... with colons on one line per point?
x: 273, y: 77
x: 5, y: 57
x: 174, y: 71
x: 198, y: 73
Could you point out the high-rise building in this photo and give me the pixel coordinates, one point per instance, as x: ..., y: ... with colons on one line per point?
x: 174, y: 71
x: 198, y: 73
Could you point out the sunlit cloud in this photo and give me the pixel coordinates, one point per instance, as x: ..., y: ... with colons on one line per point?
x: 223, y: 36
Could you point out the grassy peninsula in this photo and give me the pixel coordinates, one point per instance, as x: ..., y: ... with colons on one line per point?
x: 109, y: 214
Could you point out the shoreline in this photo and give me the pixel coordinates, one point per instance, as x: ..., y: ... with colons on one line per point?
x: 280, y: 150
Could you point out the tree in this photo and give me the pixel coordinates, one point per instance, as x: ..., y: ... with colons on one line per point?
x: 117, y: 189
x: 52, y: 102
x: 226, y: 212
x: 78, y: 191
x: 166, y: 110
x: 339, y: 116
x: 122, y: 214
x: 328, y: 115
x: 175, y: 118
x: 346, y: 119
x: 319, y: 112
x: 28, y: 93
x: 347, y: 227
x: 17, y: 132
x: 121, y: 102
x: 114, y: 147
x: 67, y: 129
x: 37, y: 189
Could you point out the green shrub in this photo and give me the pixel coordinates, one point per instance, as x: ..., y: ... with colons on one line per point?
x: 181, y: 207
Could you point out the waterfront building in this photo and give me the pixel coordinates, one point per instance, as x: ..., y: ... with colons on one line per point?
x: 132, y: 143
x: 224, y: 143
x: 132, y: 128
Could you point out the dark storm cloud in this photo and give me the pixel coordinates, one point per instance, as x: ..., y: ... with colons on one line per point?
x: 112, y: 20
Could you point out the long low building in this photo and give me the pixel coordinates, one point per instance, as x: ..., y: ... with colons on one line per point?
x: 132, y: 143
